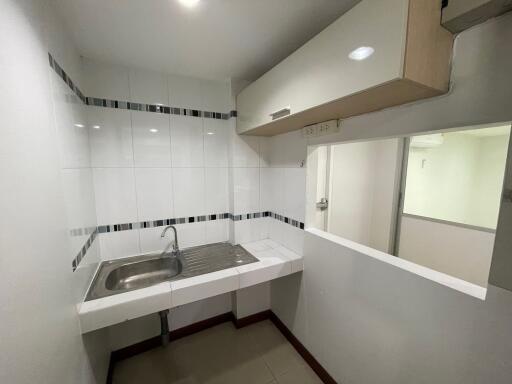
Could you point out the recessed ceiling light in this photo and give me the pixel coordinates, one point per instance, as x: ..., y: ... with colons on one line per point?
x: 96, y: 126
x: 153, y: 130
x: 210, y: 133
x: 79, y: 125
x: 189, y: 3
x: 361, y: 53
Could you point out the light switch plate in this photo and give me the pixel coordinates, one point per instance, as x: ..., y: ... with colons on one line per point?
x: 328, y: 128
x: 310, y: 131
x: 321, y: 129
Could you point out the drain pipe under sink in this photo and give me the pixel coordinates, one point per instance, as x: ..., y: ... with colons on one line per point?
x: 164, y: 327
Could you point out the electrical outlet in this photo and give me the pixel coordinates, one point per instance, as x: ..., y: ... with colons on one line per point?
x: 321, y: 129
x: 328, y: 128
x: 310, y: 131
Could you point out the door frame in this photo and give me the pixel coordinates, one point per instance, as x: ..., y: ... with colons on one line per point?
x: 400, y: 196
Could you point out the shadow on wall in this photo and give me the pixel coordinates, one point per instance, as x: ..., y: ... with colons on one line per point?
x: 98, y: 353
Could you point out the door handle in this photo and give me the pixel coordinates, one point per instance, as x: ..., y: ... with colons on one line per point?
x: 281, y: 113
x: 323, y: 204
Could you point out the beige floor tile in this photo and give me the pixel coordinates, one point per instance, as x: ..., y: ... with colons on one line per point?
x: 257, y: 354
x: 302, y: 374
x: 282, y: 358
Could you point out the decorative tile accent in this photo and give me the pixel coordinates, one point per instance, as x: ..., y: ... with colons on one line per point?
x: 173, y: 221
x: 119, y: 104
x: 64, y: 76
x: 76, y: 261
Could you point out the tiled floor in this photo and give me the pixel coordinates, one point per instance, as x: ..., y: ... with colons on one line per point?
x: 256, y: 354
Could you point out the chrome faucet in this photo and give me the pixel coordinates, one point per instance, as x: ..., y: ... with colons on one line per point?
x: 174, y: 244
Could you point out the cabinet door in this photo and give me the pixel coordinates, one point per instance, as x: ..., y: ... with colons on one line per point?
x: 321, y: 71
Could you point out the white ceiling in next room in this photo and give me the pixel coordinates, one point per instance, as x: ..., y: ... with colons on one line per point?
x: 216, y: 39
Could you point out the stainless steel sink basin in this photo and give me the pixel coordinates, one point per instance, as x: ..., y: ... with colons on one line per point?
x: 130, y: 273
x: 139, y: 274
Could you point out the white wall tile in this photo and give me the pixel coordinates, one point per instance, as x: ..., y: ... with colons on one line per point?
x: 148, y: 87
x: 215, y: 96
x: 265, y: 151
x: 151, y: 139
x: 79, y: 197
x: 105, y: 81
x: 71, y: 124
x: 246, y: 190
x: 245, y: 150
x: 276, y: 192
x: 185, y: 92
x: 267, y: 195
x: 217, y: 231
x: 288, y: 150
x: 114, y: 245
x: 154, y: 193
x: 250, y: 230
x: 152, y: 241
x: 216, y: 140
x: 84, y: 274
x: 217, y: 194
x: 293, y: 238
x: 189, y: 191
x: 114, y: 190
x: 187, y: 141
x: 294, y: 187
x: 191, y: 234
x: 261, y: 227
x: 276, y: 230
x: 111, y: 140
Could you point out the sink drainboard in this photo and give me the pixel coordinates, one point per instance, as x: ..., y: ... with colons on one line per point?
x: 136, y: 272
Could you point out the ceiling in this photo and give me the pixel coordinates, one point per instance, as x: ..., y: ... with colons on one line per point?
x: 218, y: 39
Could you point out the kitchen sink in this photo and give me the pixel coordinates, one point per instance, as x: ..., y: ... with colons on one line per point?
x: 142, y: 271
x: 139, y: 274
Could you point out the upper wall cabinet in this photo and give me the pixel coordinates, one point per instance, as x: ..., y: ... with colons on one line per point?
x: 323, y: 80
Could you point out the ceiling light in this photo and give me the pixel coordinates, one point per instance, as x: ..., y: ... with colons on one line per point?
x: 153, y: 130
x: 361, y: 53
x: 96, y: 126
x: 79, y: 125
x: 210, y: 133
x: 189, y: 3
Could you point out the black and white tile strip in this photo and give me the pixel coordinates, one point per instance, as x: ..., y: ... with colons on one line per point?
x: 121, y: 104
x: 181, y: 220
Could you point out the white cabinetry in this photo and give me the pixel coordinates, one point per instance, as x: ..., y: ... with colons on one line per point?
x: 320, y: 82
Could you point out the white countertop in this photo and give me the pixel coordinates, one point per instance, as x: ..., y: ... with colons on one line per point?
x: 274, y: 261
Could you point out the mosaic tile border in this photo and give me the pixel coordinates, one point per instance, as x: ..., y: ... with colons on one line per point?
x: 160, y: 223
x: 132, y: 106
x: 78, y: 258
x: 164, y: 222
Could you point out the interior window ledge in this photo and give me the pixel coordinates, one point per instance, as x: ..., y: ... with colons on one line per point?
x: 427, y: 273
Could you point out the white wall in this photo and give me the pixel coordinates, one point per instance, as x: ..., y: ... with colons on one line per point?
x: 181, y: 170
x: 457, y: 251
x: 70, y: 116
x: 40, y: 335
x: 284, y: 187
x: 367, y: 321
x: 363, y: 185
x: 460, y: 180
x: 489, y: 181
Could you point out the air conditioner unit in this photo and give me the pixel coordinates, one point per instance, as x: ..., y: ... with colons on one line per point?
x: 427, y: 141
